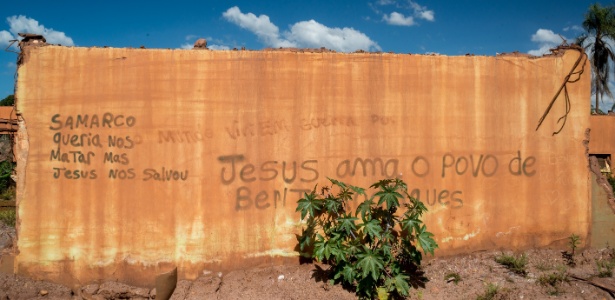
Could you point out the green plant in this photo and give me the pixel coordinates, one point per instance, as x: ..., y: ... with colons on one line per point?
x: 8, y: 194
x: 454, y: 277
x: 6, y: 182
x: 490, y: 291
x: 543, y: 266
x: 516, y: 264
x: 552, y: 279
x: 599, y: 28
x: 611, y: 181
x: 573, y: 242
x: 8, y: 217
x: 606, y: 266
x: 419, y: 294
x: 374, y: 248
x: 8, y: 101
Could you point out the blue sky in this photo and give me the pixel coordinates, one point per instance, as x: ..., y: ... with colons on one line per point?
x: 421, y: 26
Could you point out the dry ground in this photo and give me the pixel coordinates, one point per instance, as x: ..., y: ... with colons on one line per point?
x: 477, y: 272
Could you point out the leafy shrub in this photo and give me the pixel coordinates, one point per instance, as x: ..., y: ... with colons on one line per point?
x: 491, y: 290
x: 611, y: 181
x: 373, y: 248
x: 543, y: 266
x: 8, y: 101
x: 8, y: 217
x: 552, y: 280
x: 568, y: 256
x: 606, y: 266
x: 516, y: 264
x: 8, y: 194
x: 6, y: 183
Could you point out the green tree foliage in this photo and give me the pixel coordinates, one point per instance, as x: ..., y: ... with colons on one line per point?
x: 374, y: 248
x: 599, y: 25
x: 8, y: 101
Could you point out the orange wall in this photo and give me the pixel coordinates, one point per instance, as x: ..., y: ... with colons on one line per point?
x: 7, y: 118
x: 240, y: 134
x: 602, y: 134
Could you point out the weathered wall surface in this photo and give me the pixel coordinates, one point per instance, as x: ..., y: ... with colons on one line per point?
x: 136, y: 160
x: 602, y: 133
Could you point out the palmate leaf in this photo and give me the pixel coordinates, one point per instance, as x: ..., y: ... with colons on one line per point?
x: 418, y: 205
x: 411, y: 223
x: 309, y: 204
x: 323, y: 248
x: 305, y: 239
x: 416, y: 208
x: 338, y: 183
x: 345, y: 195
x: 400, y: 284
x: 338, y: 250
x: 332, y: 205
x: 364, y: 208
x: 425, y: 240
x: 387, y: 254
x: 372, y: 228
x: 354, y: 247
x: 371, y: 264
x: 346, y: 272
x: 347, y: 223
x: 381, y: 184
x: 358, y: 190
x: 389, y: 195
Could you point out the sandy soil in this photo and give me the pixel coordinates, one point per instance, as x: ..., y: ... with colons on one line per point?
x: 477, y: 272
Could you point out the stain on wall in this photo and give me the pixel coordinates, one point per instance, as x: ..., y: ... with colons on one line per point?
x: 136, y: 160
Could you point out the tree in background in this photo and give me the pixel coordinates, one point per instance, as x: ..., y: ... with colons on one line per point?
x: 599, y: 25
x: 7, y: 185
x: 8, y: 101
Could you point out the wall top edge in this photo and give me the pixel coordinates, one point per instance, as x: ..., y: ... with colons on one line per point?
x: 555, y: 52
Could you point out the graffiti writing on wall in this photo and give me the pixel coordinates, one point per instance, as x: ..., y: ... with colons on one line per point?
x: 77, y: 143
x: 299, y: 176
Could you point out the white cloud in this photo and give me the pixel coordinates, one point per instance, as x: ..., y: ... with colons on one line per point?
x: 415, y: 11
x: 23, y: 24
x: 546, y: 36
x: 396, y: 18
x: 546, y: 39
x: 576, y: 28
x: 422, y: 12
x: 311, y: 34
x: 5, y: 38
x: 11, y: 65
x: 261, y: 26
x: 308, y: 34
